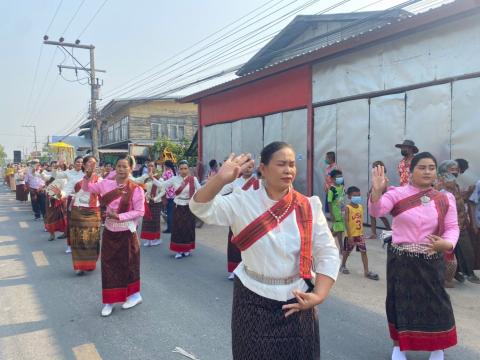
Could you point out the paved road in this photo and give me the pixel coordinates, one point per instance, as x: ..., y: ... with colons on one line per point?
x: 46, y: 312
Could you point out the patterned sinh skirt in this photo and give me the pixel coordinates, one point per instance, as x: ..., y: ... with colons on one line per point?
x: 21, y: 193
x: 234, y: 255
x: 84, y: 231
x: 183, y: 231
x: 120, y: 265
x: 260, y: 330
x: 419, y: 312
x: 55, y: 216
x: 151, y: 227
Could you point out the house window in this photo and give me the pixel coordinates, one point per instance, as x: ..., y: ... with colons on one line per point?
x: 116, y: 131
x: 172, y: 132
x: 124, y: 128
x: 110, y: 134
x: 169, y: 127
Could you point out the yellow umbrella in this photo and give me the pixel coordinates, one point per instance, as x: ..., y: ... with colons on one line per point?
x: 60, y: 144
x: 62, y: 151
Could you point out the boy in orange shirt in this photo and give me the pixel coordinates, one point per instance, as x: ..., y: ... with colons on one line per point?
x: 354, y: 227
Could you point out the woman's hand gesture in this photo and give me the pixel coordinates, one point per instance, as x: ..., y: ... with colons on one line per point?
x: 305, y: 301
x: 379, y: 180
x: 438, y: 245
x: 233, y: 166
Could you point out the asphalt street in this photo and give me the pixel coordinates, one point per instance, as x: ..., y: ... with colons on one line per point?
x: 47, y: 312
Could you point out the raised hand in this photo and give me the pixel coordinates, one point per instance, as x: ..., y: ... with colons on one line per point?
x: 233, y: 166
x: 379, y: 180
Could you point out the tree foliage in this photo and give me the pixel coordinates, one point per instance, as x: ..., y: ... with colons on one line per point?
x: 3, y: 155
x: 178, y: 150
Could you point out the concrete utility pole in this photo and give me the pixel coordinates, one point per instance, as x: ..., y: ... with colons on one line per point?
x: 94, y: 85
x: 34, y: 134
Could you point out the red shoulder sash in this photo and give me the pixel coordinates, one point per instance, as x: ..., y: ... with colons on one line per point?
x: 267, y: 222
x: 413, y: 201
x: 126, y: 194
x: 252, y: 182
x: 189, y: 180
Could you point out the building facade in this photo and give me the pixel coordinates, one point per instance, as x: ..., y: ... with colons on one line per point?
x: 143, y: 121
x: 356, y: 93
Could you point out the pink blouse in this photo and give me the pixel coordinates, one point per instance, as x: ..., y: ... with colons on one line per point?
x: 127, y: 219
x: 413, y: 226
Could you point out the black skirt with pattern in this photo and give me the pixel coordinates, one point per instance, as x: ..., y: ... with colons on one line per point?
x: 260, y: 330
x: 419, y: 311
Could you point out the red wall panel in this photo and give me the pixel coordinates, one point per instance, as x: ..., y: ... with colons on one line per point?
x: 285, y: 91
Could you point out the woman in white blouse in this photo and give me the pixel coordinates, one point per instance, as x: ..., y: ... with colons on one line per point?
x: 283, y: 236
x: 182, y: 240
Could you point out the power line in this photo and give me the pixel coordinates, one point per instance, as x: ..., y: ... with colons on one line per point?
x: 42, y: 88
x: 192, y: 46
x: 73, y: 17
x: 54, y: 16
x: 339, y: 31
x: 29, y: 99
x: 232, y: 32
x: 229, y: 45
x: 233, y: 49
x: 91, y: 20
x: 333, y: 36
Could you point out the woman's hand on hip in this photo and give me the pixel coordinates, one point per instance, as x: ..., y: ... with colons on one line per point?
x: 305, y: 301
x: 438, y: 244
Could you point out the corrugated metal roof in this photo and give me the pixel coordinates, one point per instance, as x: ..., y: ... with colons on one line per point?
x: 325, y: 29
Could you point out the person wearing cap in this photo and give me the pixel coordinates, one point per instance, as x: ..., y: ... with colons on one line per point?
x: 408, y: 149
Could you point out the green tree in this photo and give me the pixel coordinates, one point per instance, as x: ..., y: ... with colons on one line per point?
x: 3, y: 155
x: 178, y: 149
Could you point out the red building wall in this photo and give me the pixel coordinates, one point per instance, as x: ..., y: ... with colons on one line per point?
x: 281, y: 92
x: 277, y: 93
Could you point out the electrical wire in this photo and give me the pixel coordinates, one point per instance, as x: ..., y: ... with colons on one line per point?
x: 371, y: 17
x: 73, y: 17
x: 36, y: 103
x: 195, y: 44
x: 30, y: 95
x: 92, y: 19
x: 332, y: 36
x: 229, y: 45
x: 54, y: 16
x: 234, y: 31
x: 233, y: 52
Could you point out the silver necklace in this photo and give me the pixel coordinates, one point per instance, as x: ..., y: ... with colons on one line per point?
x: 280, y: 217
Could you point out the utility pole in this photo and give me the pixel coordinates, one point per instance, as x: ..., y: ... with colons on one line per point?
x: 34, y: 134
x: 94, y: 84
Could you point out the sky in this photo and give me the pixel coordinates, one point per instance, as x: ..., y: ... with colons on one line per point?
x: 130, y: 37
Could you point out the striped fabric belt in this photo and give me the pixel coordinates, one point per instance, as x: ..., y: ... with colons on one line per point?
x: 271, y: 280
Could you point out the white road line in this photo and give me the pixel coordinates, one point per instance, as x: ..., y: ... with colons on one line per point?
x: 40, y: 258
x: 86, y: 352
x: 23, y: 224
